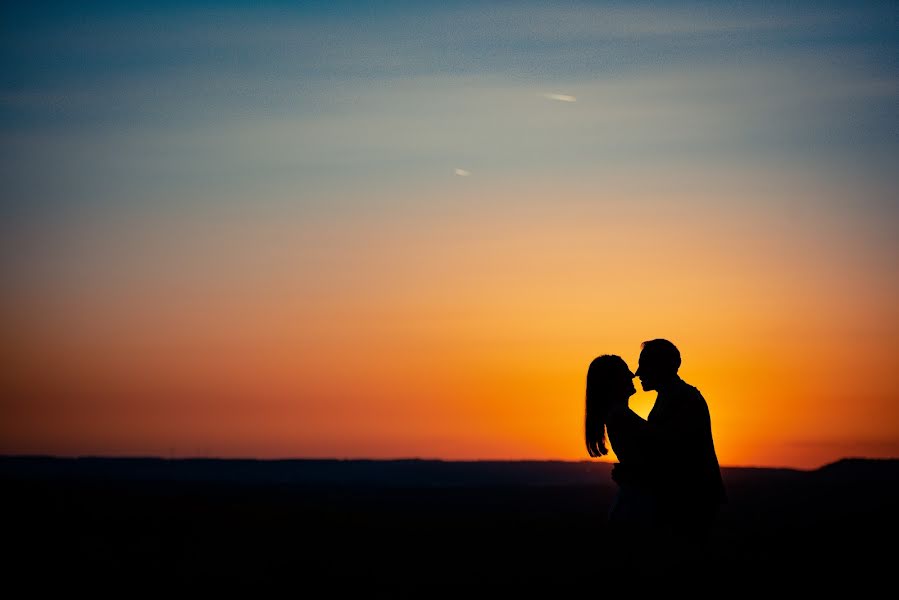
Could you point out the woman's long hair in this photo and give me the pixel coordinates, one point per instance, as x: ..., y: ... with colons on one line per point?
x: 602, y: 375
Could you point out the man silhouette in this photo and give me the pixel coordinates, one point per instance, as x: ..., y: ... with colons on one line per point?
x: 680, y: 465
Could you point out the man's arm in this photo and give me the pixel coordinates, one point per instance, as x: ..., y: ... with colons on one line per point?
x: 627, y: 435
x: 640, y: 440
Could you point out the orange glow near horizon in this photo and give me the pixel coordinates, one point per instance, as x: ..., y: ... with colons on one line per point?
x: 444, y: 336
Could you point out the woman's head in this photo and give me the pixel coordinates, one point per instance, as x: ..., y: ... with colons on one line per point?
x: 609, y: 376
x: 610, y: 382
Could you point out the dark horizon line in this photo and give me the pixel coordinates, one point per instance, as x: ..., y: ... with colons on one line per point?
x: 308, y: 459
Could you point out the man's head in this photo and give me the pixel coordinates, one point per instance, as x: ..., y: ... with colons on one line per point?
x: 659, y: 362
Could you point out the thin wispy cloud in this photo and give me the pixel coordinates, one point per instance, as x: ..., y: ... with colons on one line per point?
x: 560, y: 97
x: 462, y: 172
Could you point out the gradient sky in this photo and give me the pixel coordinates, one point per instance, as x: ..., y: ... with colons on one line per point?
x: 405, y: 229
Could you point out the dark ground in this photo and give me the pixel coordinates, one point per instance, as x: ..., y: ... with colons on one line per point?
x: 422, y: 527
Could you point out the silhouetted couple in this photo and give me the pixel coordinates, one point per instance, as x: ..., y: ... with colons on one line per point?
x: 669, y: 481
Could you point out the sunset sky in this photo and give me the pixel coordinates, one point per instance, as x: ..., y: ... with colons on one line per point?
x: 404, y: 229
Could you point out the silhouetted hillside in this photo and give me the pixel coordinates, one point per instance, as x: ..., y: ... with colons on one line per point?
x: 861, y: 469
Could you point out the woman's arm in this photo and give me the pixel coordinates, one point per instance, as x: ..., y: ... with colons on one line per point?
x: 628, y: 435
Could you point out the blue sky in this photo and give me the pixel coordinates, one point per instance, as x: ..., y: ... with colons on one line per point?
x: 104, y: 95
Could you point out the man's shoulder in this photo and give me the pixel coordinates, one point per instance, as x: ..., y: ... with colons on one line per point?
x: 687, y: 391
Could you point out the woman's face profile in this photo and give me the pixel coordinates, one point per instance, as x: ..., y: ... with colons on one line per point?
x: 628, y: 382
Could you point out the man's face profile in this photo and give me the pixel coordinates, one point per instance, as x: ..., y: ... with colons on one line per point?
x: 648, y: 372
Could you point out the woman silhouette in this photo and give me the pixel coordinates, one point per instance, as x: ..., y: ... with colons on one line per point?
x: 609, y: 386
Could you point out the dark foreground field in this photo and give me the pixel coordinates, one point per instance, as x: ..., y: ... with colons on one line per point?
x: 424, y: 527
